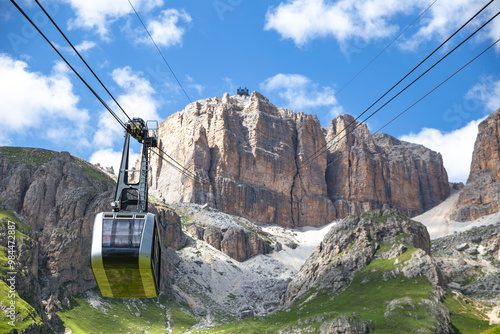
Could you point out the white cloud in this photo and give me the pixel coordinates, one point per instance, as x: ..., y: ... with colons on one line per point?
x: 138, y: 100
x: 305, y: 20
x: 456, y: 147
x: 99, y: 15
x: 230, y: 85
x: 47, y: 103
x: 345, y: 20
x: 299, y: 92
x: 488, y: 92
x: 445, y: 16
x: 85, y: 46
x: 192, y: 84
x: 110, y: 158
x: 139, y: 97
x: 166, y: 31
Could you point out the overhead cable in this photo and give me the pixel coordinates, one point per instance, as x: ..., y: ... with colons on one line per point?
x: 71, y: 67
x: 161, y: 53
x: 327, y: 145
x: 375, y: 58
x: 175, y: 165
x: 420, y: 99
x: 432, y: 90
x: 79, y: 55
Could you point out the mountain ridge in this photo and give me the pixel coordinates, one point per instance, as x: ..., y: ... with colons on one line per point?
x: 248, y: 151
x: 54, y: 196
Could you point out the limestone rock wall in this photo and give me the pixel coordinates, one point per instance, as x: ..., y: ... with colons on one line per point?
x: 367, y: 172
x: 481, y: 194
x: 247, y: 151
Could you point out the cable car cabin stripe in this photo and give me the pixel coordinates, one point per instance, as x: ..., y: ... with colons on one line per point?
x: 123, y: 255
x: 146, y: 257
x: 96, y: 258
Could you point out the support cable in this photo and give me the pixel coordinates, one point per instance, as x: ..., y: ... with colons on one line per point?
x: 432, y: 90
x: 436, y: 87
x: 174, y: 164
x: 327, y: 145
x: 79, y: 55
x: 375, y: 58
x: 71, y: 67
x: 161, y: 53
x: 181, y: 169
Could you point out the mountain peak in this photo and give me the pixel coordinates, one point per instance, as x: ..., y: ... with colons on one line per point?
x: 247, y: 150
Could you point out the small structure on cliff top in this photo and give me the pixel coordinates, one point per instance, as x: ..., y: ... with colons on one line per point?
x: 242, y: 91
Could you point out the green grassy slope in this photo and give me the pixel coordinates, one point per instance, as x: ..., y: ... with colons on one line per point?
x: 30, y: 156
x: 114, y: 315
x: 465, y: 315
x: 386, y: 303
x: 25, y: 315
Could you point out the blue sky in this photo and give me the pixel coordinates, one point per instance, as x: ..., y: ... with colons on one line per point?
x: 297, y: 53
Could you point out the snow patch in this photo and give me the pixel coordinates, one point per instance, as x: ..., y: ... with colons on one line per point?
x: 439, y: 224
x: 307, y: 238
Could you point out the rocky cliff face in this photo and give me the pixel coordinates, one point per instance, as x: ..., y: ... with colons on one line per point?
x: 470, y: 263
x: 247, y: 151
x: 363, y: 253
x: 58, y: 200
x: 58, y: 196
x: 481, y: 194
x: 351, y: 245
x: 228, y: 235
x: 367, y: 172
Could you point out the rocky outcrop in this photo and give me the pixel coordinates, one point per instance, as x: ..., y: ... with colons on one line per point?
x: 58, y: 200
x: 351, y: 245
x: 470, y: 262
x: 170, y: 226
x: 227, y: 235
x: 236, y: 242
x: 246, y: 151
x: 481, y: 195
x: 344, y: 324
x: 241, y: 245
x: 340, y: 324
x: 241, y: 147
x: 367, y: 172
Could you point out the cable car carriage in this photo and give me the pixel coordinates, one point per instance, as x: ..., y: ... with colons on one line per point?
x: 126, y: 247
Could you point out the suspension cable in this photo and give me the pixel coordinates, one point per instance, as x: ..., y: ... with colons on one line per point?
x: 177, y: 163
x: 432, y: 90
x: 81, y: 57
x: 184, y: 171
x: 161, y: 53
x: 375, y: 58
x: 71, y: 67
x: 420, y: 99
x: 327, y: 145
x: 174, y: 164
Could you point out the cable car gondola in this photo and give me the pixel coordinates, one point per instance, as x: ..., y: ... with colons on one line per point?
x: 126, y: 247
